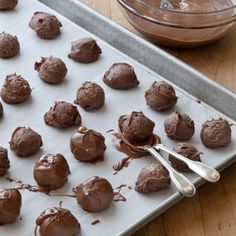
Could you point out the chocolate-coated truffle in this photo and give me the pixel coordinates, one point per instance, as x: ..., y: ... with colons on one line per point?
x: 94, y: 194
x: 121, y: 76
x: 1, y: 109
x: 62, y: 115
x: 25, y: 142
x: 161, y: 96
x: 10, y: 204
x: 15, y: 89
x: 8, y: 4
x: 85, y: 50
x: 45, y: 25
x: 216, y: 133
x: 136, y: 126
x: 51, y: 171
x: 4, y: 161
x: 152, y: 178
x: 57, y: 221
x: 90, y: 96
x: 185, y: 150
x: 51, y: 70
x: 179, y: 126
x: 9, y: 45
x: 87, y: 145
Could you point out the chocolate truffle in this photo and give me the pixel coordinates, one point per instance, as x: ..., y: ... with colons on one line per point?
x: 57, y: 221
x: 161, y: 96
x: 45, y: 25
x: 152, y: 178
x: 179, y: 126
x: 185, y: 150
x: 85, y: 50
x: 136, y: 126
x: 8, y: 4
x: 94, y: 194
x: 4, y: 161
x: 25, y: 142
x: 87, y: 145
x: 1, y: 109
x: 51, y: 171
x: 15, y: 89
x: 62, y: 115
x: 90, y: 96
x: 216, y: 133
x: 51, y: 70
x: 10, y: 204
x: 9, y: 45
x: 121, y: 76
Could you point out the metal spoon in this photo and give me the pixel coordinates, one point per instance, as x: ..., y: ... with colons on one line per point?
x: 180, y: 181
x: 203, y: 170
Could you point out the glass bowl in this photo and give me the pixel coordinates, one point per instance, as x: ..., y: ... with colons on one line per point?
x: 182, y: 23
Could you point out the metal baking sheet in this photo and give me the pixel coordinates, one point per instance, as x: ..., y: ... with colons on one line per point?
x: 121, y: 218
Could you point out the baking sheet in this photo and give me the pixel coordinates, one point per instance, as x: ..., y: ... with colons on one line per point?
x: 122, y: 215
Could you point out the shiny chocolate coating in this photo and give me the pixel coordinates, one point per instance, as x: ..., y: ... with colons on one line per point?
x: 87, y: 145
x: 185, y: 150
x: 161, y: 96
x: 57, y: 221
x: 51, y: 70
x: 10, y: 204
x: 8, y: 4
x: 9, y: 45
x: 45, y: 25
x: 179, y: 126
x: 94, y: 194
x: 121, y: 76
x: 152, y: 178
x: 90, y: 96
x: 136, y: 126
x: 51, y: 171
x: 25, y: 142
x: 62, y: 115
x: 85, y: 50
x: 15, y: 89
x: 4, y: 161
x: 216, y: 133
x: 1, y: 109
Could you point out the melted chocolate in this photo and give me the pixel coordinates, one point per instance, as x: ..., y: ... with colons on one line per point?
x: 120, y: 165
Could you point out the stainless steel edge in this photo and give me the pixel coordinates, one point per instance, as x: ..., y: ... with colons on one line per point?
x: 149, y: 55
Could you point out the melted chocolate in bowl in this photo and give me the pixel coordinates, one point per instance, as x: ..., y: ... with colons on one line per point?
x: 184, y: 24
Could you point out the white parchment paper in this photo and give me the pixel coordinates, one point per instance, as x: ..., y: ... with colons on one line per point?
x: 119, y: 216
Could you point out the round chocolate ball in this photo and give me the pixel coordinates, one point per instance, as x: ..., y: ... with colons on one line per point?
x: 45, y: 25
x: 51, y: 70
x: 1, y: 109
x: 90, y: 96
x: 216, y: 133
x: 4, y: 161
x: 136, y: 126
x: 15, y: 89
x: 8, y: 4
x: 87, y: 145
x: 51, y: 171
x: 57, y: 221
x: 94, y: 194
x: 121, y: 76
x: 9, y: 45
x: 25, y: 142
x: 179, y: 126
x: 152, y: 178
x: 85, y: 50
x: 187, y: 151
x: 161, y: 96
x: 10, y: 204
x: 62, y: 115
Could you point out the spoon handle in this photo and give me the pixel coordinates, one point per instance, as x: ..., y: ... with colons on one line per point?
x: 203, y: 170
x: 181, y: 182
